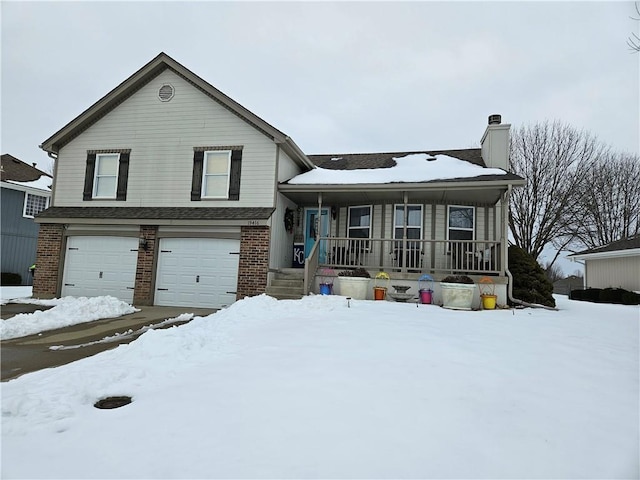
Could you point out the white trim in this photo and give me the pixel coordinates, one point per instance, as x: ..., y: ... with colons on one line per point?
x: 47, y: 199
x: 204, y: 175
x: 630, y: 252
x: 95, y: 176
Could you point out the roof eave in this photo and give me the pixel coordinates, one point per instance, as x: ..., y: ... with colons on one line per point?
x: 434, y: 185
x: 630, y: 252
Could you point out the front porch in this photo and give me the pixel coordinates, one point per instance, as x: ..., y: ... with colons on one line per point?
x: 405, y: 261
x: 409, y: 256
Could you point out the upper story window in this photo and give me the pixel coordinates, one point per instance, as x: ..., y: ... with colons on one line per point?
x: 461, y: 222
x: 34, y: 204
x: 215, y: 174
x: 414, y: 222
x: 106, y: 175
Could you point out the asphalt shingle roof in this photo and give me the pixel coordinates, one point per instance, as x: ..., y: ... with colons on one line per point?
x: 159, y: 213
x: 353, y: 161
x: 16, y: 170
x: 623, y: 244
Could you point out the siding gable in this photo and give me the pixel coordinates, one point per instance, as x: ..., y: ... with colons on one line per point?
x: 161, y: 137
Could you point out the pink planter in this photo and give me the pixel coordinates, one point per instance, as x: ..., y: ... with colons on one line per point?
x: 425, y: 296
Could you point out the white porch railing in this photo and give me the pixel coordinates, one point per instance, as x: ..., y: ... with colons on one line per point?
x: 413, y: 256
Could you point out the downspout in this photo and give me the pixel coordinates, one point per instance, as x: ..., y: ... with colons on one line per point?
x: 584, y: 277
x: 505, y: 230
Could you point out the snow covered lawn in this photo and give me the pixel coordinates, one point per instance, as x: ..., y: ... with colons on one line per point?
x: 316, y: 389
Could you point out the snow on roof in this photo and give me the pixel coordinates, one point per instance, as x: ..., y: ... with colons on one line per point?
x: 42, y: 183
x: 419, y: 167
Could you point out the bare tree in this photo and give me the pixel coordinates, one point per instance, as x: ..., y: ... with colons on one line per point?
x: 607, y: 207
x: 553, y: 271
x: 548, y: 155
x: 634, y: 40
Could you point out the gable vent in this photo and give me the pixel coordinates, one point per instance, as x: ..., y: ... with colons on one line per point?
x: 166, y: 92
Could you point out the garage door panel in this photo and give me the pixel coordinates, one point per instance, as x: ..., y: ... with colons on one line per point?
x: 197, y: 272
x: 96, y: 266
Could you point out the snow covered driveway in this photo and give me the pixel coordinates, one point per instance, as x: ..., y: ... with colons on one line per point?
x: 315, y: 389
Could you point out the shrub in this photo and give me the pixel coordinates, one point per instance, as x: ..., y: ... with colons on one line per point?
x: 9, y: 279
x: 457, y: 279
x: 576, y: 295
x: 611, y: 295
x: 530, y: 284
x: 630, y: 298
x: 606, y: 295
x: 356, y: 272
x: 591, y: 295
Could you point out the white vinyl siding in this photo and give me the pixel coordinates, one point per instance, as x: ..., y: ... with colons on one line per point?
x: 161, y: 136
x: 281, y: 241
x: 287, y: 168
x: 623, y: 272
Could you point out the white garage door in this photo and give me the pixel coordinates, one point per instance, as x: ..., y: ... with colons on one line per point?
x: 97, y: 266
x: 197, y: 272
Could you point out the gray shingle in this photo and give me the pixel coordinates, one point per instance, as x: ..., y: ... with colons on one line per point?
x: 159, y: 213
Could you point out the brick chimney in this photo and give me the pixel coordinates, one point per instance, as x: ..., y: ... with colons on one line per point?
x: 495, y: 143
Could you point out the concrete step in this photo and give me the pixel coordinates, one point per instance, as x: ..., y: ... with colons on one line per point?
x: 294, y: 272
x: 288, y: 283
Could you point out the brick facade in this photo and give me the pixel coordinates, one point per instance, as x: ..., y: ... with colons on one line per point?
x: 48, y: 256
x: 143, y: 293
x: 254, y: 261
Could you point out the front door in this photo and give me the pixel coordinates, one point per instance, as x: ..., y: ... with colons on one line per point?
x: 312, y: 225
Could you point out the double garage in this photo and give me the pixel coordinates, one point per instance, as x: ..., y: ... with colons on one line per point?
x: 189, y: 272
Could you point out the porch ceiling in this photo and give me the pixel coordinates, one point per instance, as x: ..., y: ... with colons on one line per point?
x: 394, y: 193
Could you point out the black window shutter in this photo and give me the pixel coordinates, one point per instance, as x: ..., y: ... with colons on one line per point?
x: 196, y: 183
x: 123, y: 176
x: 88, y: 176
x: 234, y: 175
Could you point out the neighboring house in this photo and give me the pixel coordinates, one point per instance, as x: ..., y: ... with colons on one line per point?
x: 168, y: 192
x: 25, y: 193
x: 566, y: 285
x: 614, y: 265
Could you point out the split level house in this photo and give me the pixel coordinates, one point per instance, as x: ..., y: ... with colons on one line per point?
x: 25, y: 193
x: 168, y: 192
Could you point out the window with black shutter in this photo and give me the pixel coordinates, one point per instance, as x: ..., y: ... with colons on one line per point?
x: 216, y: 174
x: 106, y: 175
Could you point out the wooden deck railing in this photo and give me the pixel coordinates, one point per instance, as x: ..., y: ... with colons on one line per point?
x: 413, y: 256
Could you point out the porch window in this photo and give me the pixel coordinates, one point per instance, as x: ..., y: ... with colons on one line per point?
x: 412, y: 256
x: 359, y: 223
x: 414, y: 222
x: 461, y: 222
